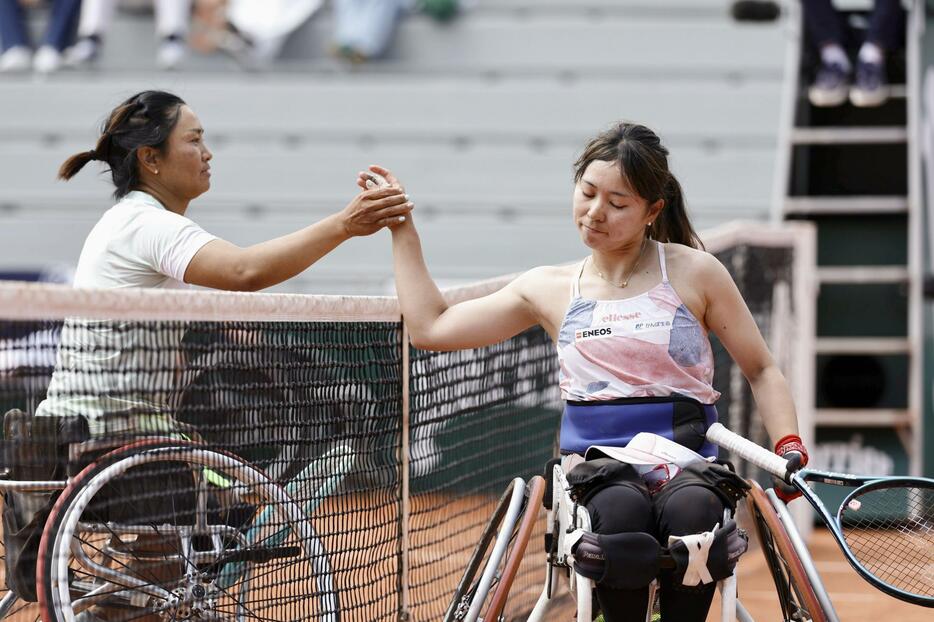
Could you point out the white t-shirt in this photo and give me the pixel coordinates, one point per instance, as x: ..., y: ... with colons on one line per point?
x: 139, y: 243
x: 119, y: 367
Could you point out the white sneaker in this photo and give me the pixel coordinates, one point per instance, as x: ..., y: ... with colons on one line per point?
x: 82, y: 53
x: 170, y: 54
x: 47, y: 60
x: 17, y: 58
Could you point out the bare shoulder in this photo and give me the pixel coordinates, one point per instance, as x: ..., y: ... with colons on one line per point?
x: 547, y: 291
x: 690, y: 264
x: 545, y: 280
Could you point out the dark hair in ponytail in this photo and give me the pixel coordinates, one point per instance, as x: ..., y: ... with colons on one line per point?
x: 144, y: 120
x: 643, y: 163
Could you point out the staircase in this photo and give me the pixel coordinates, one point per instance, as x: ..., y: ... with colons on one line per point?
x: 855, y: 173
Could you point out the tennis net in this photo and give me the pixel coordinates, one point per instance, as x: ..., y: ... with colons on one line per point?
x: 397, y: 455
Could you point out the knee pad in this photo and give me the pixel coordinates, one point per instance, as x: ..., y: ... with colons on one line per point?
x: 624, y: 561
x: 628, y: 561
x: 707, y: 557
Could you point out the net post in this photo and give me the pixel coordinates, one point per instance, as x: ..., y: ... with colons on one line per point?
x: 404, y: 463
x: 804, y: 352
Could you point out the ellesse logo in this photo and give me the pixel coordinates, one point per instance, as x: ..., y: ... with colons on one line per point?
x: 593, y: 333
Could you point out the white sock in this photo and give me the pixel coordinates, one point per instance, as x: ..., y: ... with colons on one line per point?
x: 833, y: 54
x: 871, y: 53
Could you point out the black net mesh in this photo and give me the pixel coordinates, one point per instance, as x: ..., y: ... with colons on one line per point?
x: 310, y: 410
x: 479, y: 419
x: 315, y: 406
x: 764, y: 276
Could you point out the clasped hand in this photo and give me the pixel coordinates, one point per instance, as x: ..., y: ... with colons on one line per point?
x: 376, y: 206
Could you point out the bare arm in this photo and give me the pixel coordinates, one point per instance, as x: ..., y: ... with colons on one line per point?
x: 222, y: 265
x: 729, y: 318
x: 432, y: 324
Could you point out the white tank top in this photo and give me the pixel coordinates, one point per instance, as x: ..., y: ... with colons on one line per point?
x: 649, y: 345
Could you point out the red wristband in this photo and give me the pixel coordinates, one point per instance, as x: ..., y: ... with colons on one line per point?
x: 792, y: 442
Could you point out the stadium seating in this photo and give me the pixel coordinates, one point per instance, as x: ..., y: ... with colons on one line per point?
x: 482, y: 118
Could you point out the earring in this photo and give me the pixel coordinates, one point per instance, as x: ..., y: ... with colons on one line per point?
x: 156, y: 171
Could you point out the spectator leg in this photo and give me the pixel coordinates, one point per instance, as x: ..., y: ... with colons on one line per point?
x: 886, y: 24
x: 96, y: 16
x: 366, y: 26
x: 345, y: 24
x: 12, y: 25
x: 62, y: 24
x: 172, y: 17
x: 822, y: 22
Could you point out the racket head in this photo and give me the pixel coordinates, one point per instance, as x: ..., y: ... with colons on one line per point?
x: 887, y: 532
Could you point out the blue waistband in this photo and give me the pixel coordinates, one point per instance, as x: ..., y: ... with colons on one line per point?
x: 614, y: 424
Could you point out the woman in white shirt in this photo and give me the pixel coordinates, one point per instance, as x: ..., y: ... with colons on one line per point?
x: 154, y: 145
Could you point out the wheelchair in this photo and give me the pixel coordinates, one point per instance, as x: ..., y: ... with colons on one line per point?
x: 163, y: 528
x: 483, y: 590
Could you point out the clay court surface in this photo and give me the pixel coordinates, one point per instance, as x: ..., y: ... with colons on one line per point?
x: 853, y: 598
x: 443, y: 530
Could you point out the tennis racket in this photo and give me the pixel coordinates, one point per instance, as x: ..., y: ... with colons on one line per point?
x: 885, y: 525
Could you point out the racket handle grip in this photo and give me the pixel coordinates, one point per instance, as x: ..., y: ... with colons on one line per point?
x: 747, y: 450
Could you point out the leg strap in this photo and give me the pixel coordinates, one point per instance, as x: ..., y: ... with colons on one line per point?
x: 709, y: 556
x: 631, y: 561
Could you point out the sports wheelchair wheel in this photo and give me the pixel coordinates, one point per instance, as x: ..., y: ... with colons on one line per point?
x: 796, y: 595
x: 513, y: 559
x: 503, y: 541
x: 174, y: 531
x: 13, y: 608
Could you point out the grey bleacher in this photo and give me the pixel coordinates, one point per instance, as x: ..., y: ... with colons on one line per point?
x: 481, y: 118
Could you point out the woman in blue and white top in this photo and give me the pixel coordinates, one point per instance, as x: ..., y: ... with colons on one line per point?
x: 630, y: 322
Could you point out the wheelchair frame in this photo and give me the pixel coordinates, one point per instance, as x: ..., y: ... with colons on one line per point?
x: 798, y: 585
x: 61, y: 544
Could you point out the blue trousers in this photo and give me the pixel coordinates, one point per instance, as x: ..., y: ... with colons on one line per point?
x: 60, y: 32
x: 824, y: 25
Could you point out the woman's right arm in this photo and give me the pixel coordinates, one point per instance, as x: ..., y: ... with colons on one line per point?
x: 432, y: 323
x: 222, y: 265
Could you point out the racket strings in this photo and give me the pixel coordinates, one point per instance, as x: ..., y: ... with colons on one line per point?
x: 890, y: 532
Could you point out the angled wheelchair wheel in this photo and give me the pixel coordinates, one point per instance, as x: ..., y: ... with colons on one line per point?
x: 484, y: 568
x: 174, y: 531
x: 518, y: 545
x: 798, y: 600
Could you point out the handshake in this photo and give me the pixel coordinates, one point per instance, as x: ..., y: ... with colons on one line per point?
x: 382, y: 203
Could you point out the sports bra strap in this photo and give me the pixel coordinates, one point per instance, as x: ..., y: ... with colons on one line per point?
x: 661, y: 261
x: 576, y: 282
